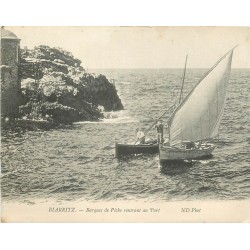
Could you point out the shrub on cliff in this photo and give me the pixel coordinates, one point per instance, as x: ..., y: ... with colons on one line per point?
x: 53, y: 75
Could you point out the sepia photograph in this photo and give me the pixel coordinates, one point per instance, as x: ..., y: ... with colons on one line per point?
x: 125, y: 124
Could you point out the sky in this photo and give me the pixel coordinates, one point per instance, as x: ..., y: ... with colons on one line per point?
x: 143, y: 47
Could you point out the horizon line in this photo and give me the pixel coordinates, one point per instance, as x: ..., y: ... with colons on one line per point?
x: 159, y: 68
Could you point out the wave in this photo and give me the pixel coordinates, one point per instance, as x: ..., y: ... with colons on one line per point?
x: 125, y: 119
x: 113, y: 117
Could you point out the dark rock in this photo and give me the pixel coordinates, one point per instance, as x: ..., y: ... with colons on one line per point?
x: 101, y: 92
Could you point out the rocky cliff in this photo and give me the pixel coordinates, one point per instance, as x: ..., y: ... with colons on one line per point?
x: 56, y: 88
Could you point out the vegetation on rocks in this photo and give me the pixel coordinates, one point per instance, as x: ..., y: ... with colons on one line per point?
x: 55, y: 88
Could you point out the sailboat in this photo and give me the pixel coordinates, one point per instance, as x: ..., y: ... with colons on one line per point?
x: 197, y: 118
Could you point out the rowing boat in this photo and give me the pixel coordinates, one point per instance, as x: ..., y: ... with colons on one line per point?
x: 131, y: 149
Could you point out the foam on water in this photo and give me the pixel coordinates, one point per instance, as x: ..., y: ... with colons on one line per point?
x: 113, y: 117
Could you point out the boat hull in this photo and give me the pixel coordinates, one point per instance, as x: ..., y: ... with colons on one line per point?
x: 178, y: 154
x: 130, y: 149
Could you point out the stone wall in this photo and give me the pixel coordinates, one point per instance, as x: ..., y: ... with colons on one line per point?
x: 10, y: 80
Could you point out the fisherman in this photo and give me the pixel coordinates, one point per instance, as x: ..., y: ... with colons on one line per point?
x: 140, y: 136
x: 159, y: 129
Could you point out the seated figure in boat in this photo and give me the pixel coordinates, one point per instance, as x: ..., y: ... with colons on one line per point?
x: 140, y: 136
x: 166, y: 142
x: 190, y: 145
x: 159, y: 129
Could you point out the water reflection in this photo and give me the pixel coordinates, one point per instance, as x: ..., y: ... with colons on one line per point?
x: 175, y: 167
x: 132, y: 157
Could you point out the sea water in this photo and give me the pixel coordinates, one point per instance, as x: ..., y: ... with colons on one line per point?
x: 77, y: 162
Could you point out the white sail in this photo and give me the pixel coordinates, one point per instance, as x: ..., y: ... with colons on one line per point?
x: 199, y: 115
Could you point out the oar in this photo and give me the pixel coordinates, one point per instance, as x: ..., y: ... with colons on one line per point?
x: 155, y: 122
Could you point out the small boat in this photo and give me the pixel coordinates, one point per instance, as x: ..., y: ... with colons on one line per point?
x: 132, y: 149
x: 197, y: 118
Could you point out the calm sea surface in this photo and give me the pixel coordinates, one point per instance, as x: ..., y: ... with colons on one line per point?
x: 77, y: 162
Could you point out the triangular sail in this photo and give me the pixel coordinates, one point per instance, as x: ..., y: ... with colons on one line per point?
x: 198, y: 117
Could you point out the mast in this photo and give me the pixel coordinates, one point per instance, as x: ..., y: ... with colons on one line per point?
x: 181, y: 93
x: 183, y: 79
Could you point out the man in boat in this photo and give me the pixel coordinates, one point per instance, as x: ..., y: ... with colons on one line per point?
x: 189, y: 144
x: 159, y: 129
x: 140, y: 136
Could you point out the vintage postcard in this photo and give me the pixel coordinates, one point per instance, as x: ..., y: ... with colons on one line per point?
x: 125, y: 124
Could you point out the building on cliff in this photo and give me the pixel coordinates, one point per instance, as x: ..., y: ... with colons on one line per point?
x: 9, y: 70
